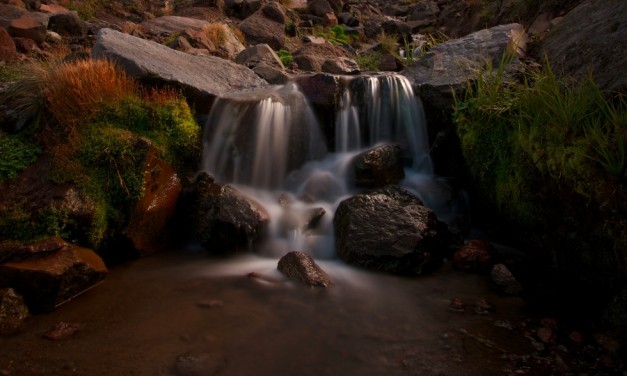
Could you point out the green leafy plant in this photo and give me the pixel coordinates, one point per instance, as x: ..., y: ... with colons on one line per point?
x: 16, y: 153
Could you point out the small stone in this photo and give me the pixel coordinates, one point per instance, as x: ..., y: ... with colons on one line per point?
x: 504, y: 324
x: 62, y: 330
x: 546, y: 334
x: 457, y: 305
x: 576, y: 337
x: 482, y: 307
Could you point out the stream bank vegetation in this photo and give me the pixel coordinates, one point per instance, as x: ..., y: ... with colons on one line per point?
x: 548, y: 155
x: 95, y: 125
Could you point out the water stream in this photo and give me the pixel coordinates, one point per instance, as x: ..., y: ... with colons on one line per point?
x: 269, y: 145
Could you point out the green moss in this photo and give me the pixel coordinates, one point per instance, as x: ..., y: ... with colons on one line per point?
x: 19, y: 223
x: 285, y: 56
x: 16, y: 153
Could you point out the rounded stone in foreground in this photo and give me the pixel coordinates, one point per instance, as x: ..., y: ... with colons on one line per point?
x: 299, y: 266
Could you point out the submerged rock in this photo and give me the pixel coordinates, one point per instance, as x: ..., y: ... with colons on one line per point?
x: 62, y: 330
x: 378, y: 167
x: 225, y: 219
x: 299, y: 266
x: 503, y: 280
x: 389, y: 230
x: 50, y: 280
x: 475, y: 255
x: 13, y: 312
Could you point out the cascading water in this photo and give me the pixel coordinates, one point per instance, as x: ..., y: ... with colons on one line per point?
x: 268, y: 144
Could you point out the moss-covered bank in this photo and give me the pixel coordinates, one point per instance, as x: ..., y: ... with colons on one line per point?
x: 547, y: 155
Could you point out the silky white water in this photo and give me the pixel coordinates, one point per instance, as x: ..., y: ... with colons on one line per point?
x: 268, y: 145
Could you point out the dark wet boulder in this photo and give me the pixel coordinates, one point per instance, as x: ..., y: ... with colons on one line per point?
x: 300, y: 267
x: 340, y: 65
x: 389, y: 230
x: 380, y: 166
x: 474, y: 255
x: 225, y: 219
x: 312, y: 56
x: 147, y: 229
x: 13, y: 311
x: 257, y: 55
x: 50, y: 280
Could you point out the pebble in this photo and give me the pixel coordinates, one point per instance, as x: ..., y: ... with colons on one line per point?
x: 62, y: 330
x: 457, y: 305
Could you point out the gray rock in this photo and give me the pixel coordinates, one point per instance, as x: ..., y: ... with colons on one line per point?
x: 274, y: 11
x: 454, y: 63
x: 257, y: 55
x: 340, y: 65
x: 319, y: 7
x: 380, y: 166
x: 591, y: 38
x: 272, y: 74
x: 389, y: 230
x: 201, y: 77
x: 258, y: 28
x: 299, y: 266
x: 13, y: 312
x: 172, y: 24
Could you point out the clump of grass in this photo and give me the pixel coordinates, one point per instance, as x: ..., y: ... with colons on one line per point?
x: 285, y: 56
x: 87, y: 9
x: 370, y: 60
x: 216, y: 32
x: 336, y: 34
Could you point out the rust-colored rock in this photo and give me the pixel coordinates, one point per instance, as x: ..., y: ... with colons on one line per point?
x: 30, y: 25
x: 258, y: 28
x: 150, y: 216
x: 8, y: 50
x: 48, y: 281
x: 62, y: 330
x: 53, y: 9
x: 475, y: 255
x: 15, y: 251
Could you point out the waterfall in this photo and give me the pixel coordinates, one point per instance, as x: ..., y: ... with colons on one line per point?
x: 269, y: 145
x: 381, y: 109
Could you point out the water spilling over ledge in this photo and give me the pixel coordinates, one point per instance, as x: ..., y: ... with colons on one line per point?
x: 271, y: 147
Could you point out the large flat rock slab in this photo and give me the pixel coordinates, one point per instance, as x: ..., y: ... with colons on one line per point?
x: 202, y: 78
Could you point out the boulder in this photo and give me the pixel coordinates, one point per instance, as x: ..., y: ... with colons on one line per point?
x: 15, y: 251
x: 272, y: 74
x: 424, y: 10
x: 147, y: 227
x: 400, y: 29
x: 380, y: 166
x: 257, y: 55
x: 321, y: 89
x: 591, y: 38
x: 172, y: 24
x: 31, y: 25
x: 258, y: 28
x: 319, y: 7
x: 312, y: 56
x: 8, y: 51
x: 67, y: 24
x: 348, y: 19
x: 504, y: 281
x: 389, y: 230
x: 475, y: 255
x: 340, y: 65
x: 13, y: 312
x: 48, y: 281
x: 274, y: 11
x: 450, y: 66
x: 201, y: 78
x: 225, y: 219
x: 300, y: 267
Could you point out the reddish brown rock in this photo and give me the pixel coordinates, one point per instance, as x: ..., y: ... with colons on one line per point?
x: 62, y: 330
x: 30, y: 25
x: 24, y: 45
x: 8, y: 49
x: 14, y: 251
x: 475, y: 255
x: 53, y: 8
x: 150, y: 216
x: 48, y: 281
x: 258, y: 28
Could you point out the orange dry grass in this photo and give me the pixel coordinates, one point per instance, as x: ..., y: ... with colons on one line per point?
x: 160, y: 95
x: 216, y: 33
x: 73, y: 92
x: 239, y: 35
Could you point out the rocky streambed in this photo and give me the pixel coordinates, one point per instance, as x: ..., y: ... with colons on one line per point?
x: 183, y: 313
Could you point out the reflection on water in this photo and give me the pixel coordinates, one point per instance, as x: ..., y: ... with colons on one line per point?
x: 184, y: 306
